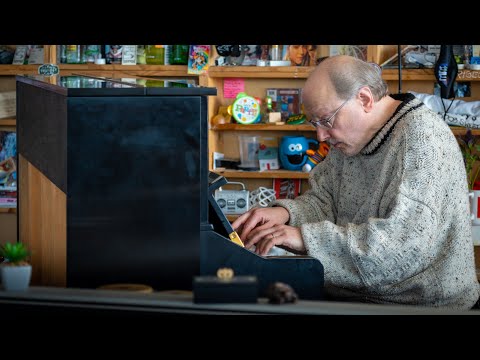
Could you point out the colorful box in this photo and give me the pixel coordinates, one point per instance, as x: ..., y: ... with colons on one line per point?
x: 286, y: 101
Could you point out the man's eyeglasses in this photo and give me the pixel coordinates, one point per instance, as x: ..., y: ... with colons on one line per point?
x: 328, y: 123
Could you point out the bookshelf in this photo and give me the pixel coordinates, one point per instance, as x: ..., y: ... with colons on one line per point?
x: 257, y: 79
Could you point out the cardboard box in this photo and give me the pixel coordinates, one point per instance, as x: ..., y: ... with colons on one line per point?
x: 268, y: 153
x: 286, y: 101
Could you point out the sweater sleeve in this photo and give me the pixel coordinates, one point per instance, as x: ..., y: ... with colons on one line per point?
x: 382, y: 252
x: 379, y: 252
x: 317, y: 203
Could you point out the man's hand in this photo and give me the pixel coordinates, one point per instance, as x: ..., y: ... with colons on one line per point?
x: 265, y: 228
x: 283, y: 236
x: 260, y: 218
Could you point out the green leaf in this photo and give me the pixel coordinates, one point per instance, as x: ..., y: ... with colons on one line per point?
x: 14, y: 252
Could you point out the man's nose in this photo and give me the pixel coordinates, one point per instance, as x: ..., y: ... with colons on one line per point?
x: 322, y: 134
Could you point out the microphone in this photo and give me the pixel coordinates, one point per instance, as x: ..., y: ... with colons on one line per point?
x: 446, y: 70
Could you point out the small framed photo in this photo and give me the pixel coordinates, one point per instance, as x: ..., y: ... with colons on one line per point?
x: 300, y: 55
x: 20, y: 55
x: 35, y: 56
x: 129, y: 55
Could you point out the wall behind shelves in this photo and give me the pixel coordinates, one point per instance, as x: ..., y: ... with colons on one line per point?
x: 8, y: 226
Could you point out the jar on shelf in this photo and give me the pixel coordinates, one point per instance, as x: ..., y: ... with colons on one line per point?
x: 73, y: 54
x: 62, y: 56
x: 141, y: 55
x: 155, y: 54
x: 275, y: 53
x: 179, y: 55
x: 92, y: 53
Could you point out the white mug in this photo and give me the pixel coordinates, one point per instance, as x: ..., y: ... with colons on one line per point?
x: 475, y: 206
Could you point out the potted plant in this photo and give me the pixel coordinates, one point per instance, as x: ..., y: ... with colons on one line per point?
x: 15, y: 269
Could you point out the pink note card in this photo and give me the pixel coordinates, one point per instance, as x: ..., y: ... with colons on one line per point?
x: 232, y: 86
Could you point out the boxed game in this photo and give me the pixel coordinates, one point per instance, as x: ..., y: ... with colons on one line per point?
x: 286, y: 101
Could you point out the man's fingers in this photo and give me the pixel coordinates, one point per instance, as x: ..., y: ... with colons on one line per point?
x: 251, y: 224
x: 258, y: 234
x: 268, y: 242
x: 240, y: 220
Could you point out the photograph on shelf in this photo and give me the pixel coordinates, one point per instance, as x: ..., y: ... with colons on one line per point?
x: 35, y: 55
x: 8, y: 144
x: 253, y: 53
x: 8, y: 169
x: 129, y: 55
x: 113, y: 54
x: 28, y: 54
x: 300, y: 55
x: 20, y: 57
x: 198, y: 56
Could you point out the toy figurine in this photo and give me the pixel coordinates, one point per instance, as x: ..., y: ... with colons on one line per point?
x: 315, y: 156
x: 245, y: 109
x: 292, y: 151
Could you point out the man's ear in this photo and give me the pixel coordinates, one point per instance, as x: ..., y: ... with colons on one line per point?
x: 366, y: 97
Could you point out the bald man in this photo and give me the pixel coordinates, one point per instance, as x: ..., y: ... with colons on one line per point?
x: 387, y: 212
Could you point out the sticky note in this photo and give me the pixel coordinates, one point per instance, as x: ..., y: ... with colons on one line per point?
x: 232, y: 86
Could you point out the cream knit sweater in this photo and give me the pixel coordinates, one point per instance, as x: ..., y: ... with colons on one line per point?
x: 391, y: 224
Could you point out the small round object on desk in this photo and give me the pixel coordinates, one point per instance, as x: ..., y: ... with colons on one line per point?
x: 128, y: 287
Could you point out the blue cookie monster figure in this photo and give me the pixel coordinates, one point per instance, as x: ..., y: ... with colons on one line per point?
x: 293, y: 151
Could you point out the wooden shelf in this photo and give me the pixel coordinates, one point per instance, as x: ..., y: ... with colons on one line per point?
x: 5, y: 210
x: 457, y: 130
x: 268, y: 72
x: 18, y: 69
x: 468, y: 75
x: 269, y: 174
x: 427, y: 75
x: 8, y: 122
x: 460, y: 130
x: 151, y: 70
x: 272, y: 72
x: 409, y: 74
x: 263, y: 127
x: 302, y: 72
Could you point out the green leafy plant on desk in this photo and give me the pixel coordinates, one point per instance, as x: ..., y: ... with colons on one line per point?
x: 15, y: 269
x: 15, y: 254
x: 471, y: 154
